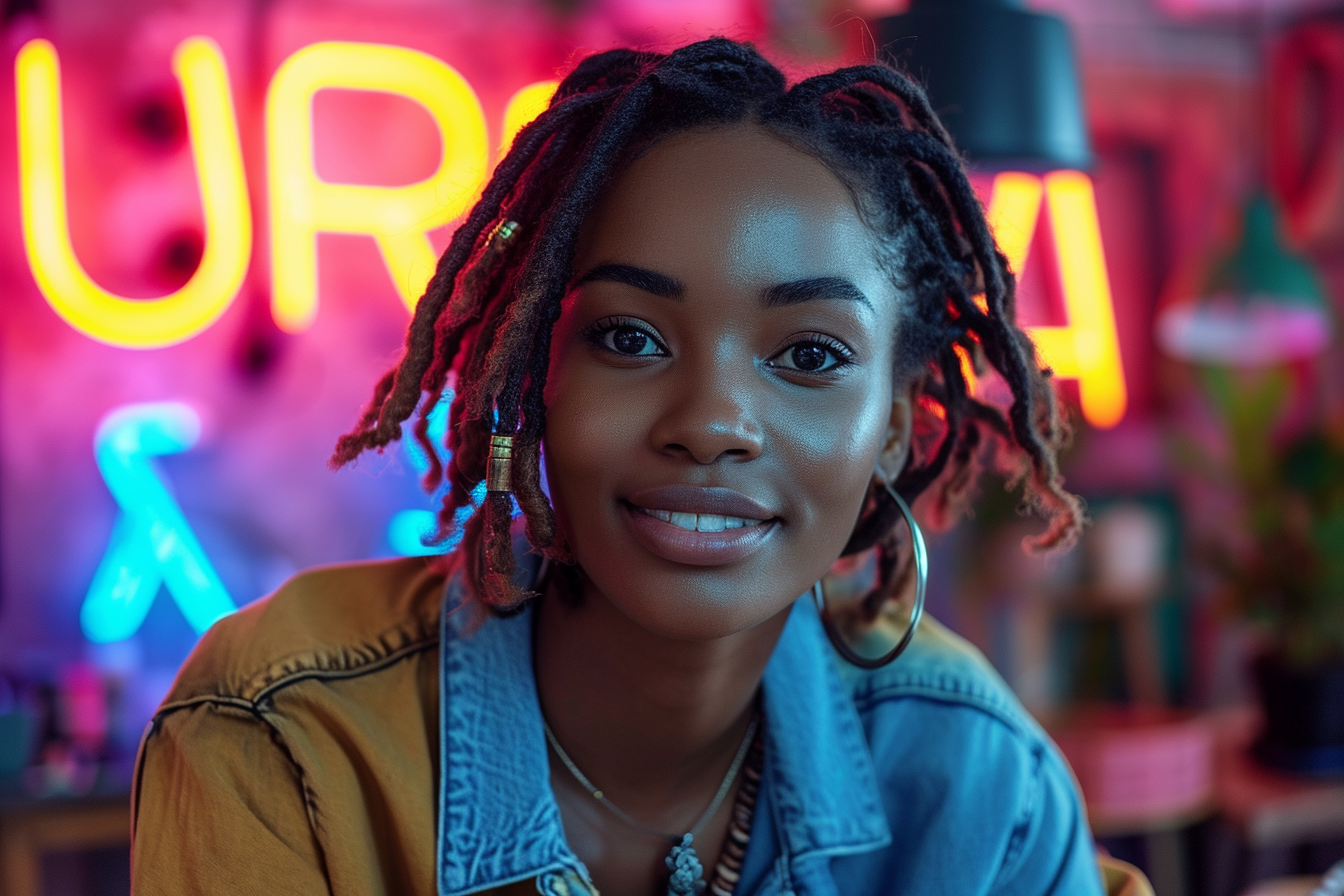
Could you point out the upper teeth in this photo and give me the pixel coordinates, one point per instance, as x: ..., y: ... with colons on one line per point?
x: 701, y: 522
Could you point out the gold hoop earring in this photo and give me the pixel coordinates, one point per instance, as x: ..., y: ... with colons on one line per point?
x: 921, y: 557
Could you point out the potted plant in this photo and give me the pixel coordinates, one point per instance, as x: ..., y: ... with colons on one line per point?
x: 1281, y: 559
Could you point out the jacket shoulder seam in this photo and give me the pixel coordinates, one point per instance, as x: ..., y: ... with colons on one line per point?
x: 267, y: 687
x: 306, y: 793
x: 985, y: 703
x: 374, y: 665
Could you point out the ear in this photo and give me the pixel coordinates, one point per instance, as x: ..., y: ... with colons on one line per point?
x: 896, y: 447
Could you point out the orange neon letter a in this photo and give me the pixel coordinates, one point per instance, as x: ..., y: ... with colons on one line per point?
x: 67, y: 287
x: 1087, y: 348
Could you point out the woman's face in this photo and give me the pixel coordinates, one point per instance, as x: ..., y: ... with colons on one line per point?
x: 720, y: 385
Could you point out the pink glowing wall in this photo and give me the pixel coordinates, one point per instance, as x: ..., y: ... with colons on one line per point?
x: 255, y: 489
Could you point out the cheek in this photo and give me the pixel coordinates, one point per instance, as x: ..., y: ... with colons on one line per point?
x: 833, y: 448
x: 589, y: 428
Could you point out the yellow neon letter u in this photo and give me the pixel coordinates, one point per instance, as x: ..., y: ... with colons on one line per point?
x: 116, y: 320
x: 302, y: 204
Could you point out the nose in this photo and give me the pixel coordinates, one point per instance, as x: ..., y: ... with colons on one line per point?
x: 709, y: 417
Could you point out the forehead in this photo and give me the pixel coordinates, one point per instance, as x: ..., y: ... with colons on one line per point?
x: 734, y: 203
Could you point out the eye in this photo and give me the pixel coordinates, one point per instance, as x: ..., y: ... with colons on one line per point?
x: 814, y: 353
x: 626, y: 336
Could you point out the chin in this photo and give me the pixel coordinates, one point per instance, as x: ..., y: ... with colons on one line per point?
x: 692, y: 604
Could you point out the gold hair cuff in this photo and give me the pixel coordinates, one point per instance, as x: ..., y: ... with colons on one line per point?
x: 498, y: 473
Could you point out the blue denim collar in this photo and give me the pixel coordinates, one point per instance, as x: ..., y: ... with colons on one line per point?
x: 498, y: 819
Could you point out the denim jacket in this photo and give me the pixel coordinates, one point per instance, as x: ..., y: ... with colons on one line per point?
x: 924, y: 777
x: 345, y: 737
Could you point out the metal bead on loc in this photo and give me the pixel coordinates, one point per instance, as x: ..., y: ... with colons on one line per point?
x: 498, y: 474
x: 503, y: 234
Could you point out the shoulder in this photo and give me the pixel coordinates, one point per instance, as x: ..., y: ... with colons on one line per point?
x: 940, y: 668
x: 332, y: 621
x: 959, y: 759
x: 941, y: 715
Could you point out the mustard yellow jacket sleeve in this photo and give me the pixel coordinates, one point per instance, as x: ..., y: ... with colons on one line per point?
x: 221, y: 810
x: 295, y: 753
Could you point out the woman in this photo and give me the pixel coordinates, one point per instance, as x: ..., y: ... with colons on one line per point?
x: 727, y: 310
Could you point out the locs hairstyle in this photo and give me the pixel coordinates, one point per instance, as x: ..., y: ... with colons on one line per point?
x: 487, y: 314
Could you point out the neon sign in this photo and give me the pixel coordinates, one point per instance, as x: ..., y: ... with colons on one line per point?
x: 408, y: 529
x: 152, y: 545
x: 396, y: 217
x: 301, y: 205
x: 134, y: 323
x: 1087, y: 348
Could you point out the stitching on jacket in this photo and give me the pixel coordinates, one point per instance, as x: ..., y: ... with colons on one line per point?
x: 1026, y: 816
x: 867, y: 701
x: 302, y: 674
x: 309, y: 797
x: 305, y: 793
x: 1027, y: 820
x: 339, y: 658
x: 373, y: 665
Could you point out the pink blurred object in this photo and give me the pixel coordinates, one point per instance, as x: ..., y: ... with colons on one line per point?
x: 1255, y: 333
x: 1188, y: 9
x: 1141, y: 768
x: 1306, y: 133
x: 84, y: 717
x: 741, y: 19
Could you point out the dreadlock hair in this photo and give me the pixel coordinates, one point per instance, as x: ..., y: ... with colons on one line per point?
x: 484, y: 324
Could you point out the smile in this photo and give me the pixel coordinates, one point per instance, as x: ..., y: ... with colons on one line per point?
x: 704, y: 530
x: 699, y: 522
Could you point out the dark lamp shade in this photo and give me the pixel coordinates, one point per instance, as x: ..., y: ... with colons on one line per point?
x: 1258, y: 303
x: 1004, y: 80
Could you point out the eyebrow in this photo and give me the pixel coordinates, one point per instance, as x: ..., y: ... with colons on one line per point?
x: 777, y: 296
x: 796, y: 291
x: 648, y: 281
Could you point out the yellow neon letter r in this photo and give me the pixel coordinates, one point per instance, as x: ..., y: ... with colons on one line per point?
x: 302, y: 204
x: 116, y: 320
x: 526, y: 104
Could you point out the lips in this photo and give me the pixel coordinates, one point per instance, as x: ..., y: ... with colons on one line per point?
x: 700, y: 499
x: 698, y: 526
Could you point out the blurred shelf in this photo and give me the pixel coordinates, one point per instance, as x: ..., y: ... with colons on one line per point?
x: 1270, y: 808
x: 33, y: 825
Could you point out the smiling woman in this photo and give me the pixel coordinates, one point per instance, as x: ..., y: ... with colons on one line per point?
x: 720, y: 358
x: 721, y: 312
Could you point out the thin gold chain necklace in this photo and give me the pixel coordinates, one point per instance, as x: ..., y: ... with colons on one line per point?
x: 687, y: 872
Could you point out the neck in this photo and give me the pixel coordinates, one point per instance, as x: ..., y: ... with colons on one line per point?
x: 652, y: 721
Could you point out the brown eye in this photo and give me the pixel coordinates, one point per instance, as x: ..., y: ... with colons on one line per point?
x: 808, y: 356
x: 629, y: 341
x: 814, y: 354
x: 626, y: 337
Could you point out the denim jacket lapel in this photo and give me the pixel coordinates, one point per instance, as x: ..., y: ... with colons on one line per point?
x: 498, y: 819
x: 823, y: 786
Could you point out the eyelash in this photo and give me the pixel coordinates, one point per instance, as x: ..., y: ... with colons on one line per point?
x: 597, y: 335
x: 844, y: 357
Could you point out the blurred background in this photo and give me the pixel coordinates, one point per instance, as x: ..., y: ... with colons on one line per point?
x: 214, y: 216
